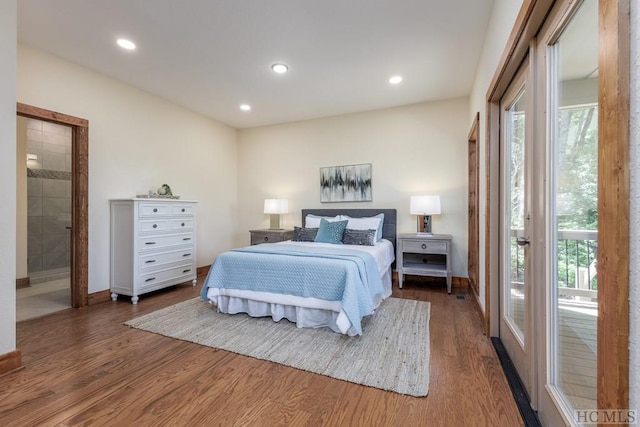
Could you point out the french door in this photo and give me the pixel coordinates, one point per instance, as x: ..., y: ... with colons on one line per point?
x: 548, y: 220
x: 515, y: 226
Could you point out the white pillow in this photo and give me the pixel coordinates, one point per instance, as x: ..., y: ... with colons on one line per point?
x: 369, y: 223
x: 313, y: 221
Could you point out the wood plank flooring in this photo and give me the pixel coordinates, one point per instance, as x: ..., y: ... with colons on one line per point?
x: 84, y: 367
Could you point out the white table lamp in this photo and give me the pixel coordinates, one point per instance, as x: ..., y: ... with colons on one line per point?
x: 276, y: 207
x: 425, y: 206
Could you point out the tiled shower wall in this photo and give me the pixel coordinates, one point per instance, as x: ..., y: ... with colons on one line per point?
x: 48, y: 200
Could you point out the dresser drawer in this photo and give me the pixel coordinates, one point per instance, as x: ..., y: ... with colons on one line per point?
x: 153, y: 226
x: 157, y: 278
x: 182, y: 210
x: 181, y: 224
x: 424, y: 247
x: 258, y: 237
x: 158, y: 260
x: 154, y: 242
x: 151, y: 210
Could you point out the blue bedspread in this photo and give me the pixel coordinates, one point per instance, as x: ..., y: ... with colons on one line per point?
x: 330, y: 273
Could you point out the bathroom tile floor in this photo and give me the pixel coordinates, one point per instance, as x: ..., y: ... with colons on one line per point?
x: 43, y: 298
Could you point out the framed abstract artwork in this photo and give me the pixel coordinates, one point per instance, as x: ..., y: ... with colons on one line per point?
x: 350, y: 183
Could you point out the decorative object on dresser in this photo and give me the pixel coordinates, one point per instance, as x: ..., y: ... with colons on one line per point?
x: 351, y: 183
x: 165, y: 190
x: 270, y: 236
x: 276, y: 207
x: 424, y: 255
x: 152, y: 245
x: 424, y: 207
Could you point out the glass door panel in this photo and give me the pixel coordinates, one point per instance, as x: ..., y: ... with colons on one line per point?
x: 573, y: 121
x: 514, y: 208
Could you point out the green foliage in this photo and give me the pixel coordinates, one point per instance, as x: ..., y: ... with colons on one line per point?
x: 576, y: 155
x: 575, y: 189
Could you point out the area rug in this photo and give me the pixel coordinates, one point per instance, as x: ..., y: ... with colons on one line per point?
x: 391, y: 354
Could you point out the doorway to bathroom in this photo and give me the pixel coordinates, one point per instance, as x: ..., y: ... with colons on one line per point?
x: 52, y: 218
x: 43, y: 241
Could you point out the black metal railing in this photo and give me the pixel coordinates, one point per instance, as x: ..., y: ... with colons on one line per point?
x: 576, y: 269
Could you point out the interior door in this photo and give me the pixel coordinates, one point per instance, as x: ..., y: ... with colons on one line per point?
x: 515, y: 224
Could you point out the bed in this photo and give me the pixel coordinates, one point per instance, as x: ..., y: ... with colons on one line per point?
x: 311, y: 284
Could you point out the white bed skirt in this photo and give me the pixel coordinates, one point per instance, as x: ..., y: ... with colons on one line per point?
x: 311, y: 316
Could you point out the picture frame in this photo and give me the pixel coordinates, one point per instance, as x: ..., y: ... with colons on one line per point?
x: 347, y: 183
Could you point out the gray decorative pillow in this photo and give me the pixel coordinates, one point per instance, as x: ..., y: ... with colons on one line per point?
x: 359, y: 237
x: 304, y: 234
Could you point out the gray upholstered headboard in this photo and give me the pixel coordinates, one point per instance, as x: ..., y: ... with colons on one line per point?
x: 388, y: 226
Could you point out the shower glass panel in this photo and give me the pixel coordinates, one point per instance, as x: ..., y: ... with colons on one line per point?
x: 48, y: 201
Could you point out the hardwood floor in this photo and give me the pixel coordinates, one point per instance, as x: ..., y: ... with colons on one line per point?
x: 84, y: 367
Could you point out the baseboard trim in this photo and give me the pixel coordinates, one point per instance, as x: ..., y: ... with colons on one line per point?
x: 203, y: 271
x: 23, y: 282
x: 99, y: 297
x: 476, y: 305
x: 10, y: 361
x: 460, y: 283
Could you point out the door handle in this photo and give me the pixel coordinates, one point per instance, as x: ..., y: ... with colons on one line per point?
x: 522, y: 241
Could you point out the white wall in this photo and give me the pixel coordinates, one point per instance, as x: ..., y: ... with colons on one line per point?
x: 137, y: 142
x: 8, y: 40
x: 415, y: 149
x: 503, y: 16
x: 634, y: 232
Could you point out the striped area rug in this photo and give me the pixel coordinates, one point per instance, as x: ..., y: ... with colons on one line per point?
x: 392, y: 354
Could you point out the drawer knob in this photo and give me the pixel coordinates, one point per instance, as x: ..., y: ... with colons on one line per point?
x: 186, y: 271
x: 150, y: 243
x: 155, y: 225
x: 155, y: 209
x: 150, y: 261
x: 182, y: 224
x: 266, y: 238
x: 186, y: 255
x: 187, y: 238
x: 424, y: 246
x: 150, y: 279
x: 183, y: 209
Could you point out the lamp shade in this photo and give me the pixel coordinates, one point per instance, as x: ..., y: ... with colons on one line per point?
x: 276, y: 206
x: 425, y: 205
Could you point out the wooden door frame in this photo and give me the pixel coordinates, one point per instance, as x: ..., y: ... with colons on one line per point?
x: 473, y: 257
x: 79, y: 198
x: 613, y: 186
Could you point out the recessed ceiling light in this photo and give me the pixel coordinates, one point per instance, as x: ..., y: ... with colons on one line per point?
x: 395, y: 80
x: 245, y: 107
x: 126, y: 44
x: 280, y: 68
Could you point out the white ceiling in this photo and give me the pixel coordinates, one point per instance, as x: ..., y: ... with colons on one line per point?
x: 213, y: 55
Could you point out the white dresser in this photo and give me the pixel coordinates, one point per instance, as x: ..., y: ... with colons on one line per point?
x: 153, y: 245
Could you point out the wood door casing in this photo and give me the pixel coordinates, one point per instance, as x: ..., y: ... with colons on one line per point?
x: 80, y: 196
x: 474, y: 223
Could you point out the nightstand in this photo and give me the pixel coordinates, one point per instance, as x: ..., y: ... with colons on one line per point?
x: 422, y: 254
x: 270, y: 236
